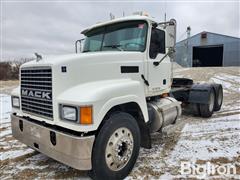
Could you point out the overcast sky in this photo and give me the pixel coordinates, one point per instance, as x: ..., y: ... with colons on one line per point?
x: 53, y: 27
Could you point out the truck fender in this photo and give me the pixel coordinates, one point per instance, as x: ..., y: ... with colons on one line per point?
x: 199, y: 93
x: 119, y: 101
x: 104, y: 95
x: 141, y: 120
x: 139, y: 99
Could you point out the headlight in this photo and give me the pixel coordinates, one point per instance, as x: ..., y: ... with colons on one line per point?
x: 69, y: 113
x: 15, y: 102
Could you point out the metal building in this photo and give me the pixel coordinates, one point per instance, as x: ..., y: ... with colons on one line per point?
x: 208, y: 49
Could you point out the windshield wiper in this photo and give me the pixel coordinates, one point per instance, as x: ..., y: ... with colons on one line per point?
x: 115, y: 46
x: 88, y: 51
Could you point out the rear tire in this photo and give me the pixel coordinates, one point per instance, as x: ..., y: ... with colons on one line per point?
x: 206, y: 110
x: 116, y: 147
x: 195, y: 109
x: 218, y: 98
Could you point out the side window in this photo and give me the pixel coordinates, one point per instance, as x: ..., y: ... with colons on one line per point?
x: 161, y: 35
x: 94, y: 39
x: 94, y: 44
x: 157, y: 44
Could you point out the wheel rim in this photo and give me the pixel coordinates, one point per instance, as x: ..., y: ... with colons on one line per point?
x: 211, y: 102
x: 119, y: 149
x: 220, y: 97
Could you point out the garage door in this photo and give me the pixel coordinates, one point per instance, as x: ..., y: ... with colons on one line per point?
x: 205, y: 56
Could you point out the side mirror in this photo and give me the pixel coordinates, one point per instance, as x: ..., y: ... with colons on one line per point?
x: 171, y: 33
x: 79, y: 45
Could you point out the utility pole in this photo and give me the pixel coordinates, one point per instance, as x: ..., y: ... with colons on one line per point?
x: 188, y: 32
x: 187, y: 46
x: 165, y: 9
x: 112, y: 16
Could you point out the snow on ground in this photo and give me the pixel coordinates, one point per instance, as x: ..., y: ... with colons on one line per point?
x: 15, y: 153
x: 5, y: 109
x: 228, y: 82
x: 192, y: 139
x: 9, y: 149
x: 215, y: 138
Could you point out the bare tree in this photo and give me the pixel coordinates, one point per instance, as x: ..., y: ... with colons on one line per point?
x: 9, y: 70
x: 5, y: 70
x: 15, y: 65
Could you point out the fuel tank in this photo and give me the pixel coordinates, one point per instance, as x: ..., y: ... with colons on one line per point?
x: 163, y: 112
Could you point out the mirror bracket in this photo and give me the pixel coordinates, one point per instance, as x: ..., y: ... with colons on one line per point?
x: 79, y: 41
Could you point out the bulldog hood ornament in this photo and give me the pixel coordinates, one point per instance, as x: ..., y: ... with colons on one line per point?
x: 39, y: 57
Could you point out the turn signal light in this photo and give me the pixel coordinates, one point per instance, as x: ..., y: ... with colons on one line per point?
x: 86, y: 115
x: 165, y: 95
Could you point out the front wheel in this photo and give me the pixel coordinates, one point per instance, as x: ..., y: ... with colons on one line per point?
x: 116, y: 147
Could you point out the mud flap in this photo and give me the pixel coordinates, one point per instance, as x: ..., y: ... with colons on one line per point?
x: 145, y: 135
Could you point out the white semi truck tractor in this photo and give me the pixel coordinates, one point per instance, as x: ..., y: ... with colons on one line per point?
x: 94, y: 110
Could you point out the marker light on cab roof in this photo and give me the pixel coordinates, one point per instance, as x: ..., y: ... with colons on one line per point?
x: 141, y: 13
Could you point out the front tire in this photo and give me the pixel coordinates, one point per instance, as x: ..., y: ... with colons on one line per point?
x: 116, y: 147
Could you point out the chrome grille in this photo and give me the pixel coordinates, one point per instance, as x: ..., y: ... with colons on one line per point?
x: 36, y: 91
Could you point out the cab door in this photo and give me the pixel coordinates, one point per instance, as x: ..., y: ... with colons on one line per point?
x: 158, y: 76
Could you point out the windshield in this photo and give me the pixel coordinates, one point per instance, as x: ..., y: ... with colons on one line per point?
x: 124, y: 36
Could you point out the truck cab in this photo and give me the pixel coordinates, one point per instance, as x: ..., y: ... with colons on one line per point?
x: 139, y: 34
x: 93, y: 110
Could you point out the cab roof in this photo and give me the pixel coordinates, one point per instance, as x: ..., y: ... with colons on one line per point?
x: 122, y: 19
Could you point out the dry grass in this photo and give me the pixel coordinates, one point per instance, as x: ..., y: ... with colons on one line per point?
x: 7, y: 86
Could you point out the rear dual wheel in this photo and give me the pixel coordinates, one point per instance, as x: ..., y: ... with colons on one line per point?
x: 206, y: 110
x: 214, y: 102
x: 218, y: 98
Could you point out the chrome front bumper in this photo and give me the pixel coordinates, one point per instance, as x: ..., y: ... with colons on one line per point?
x: 72, y: 150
